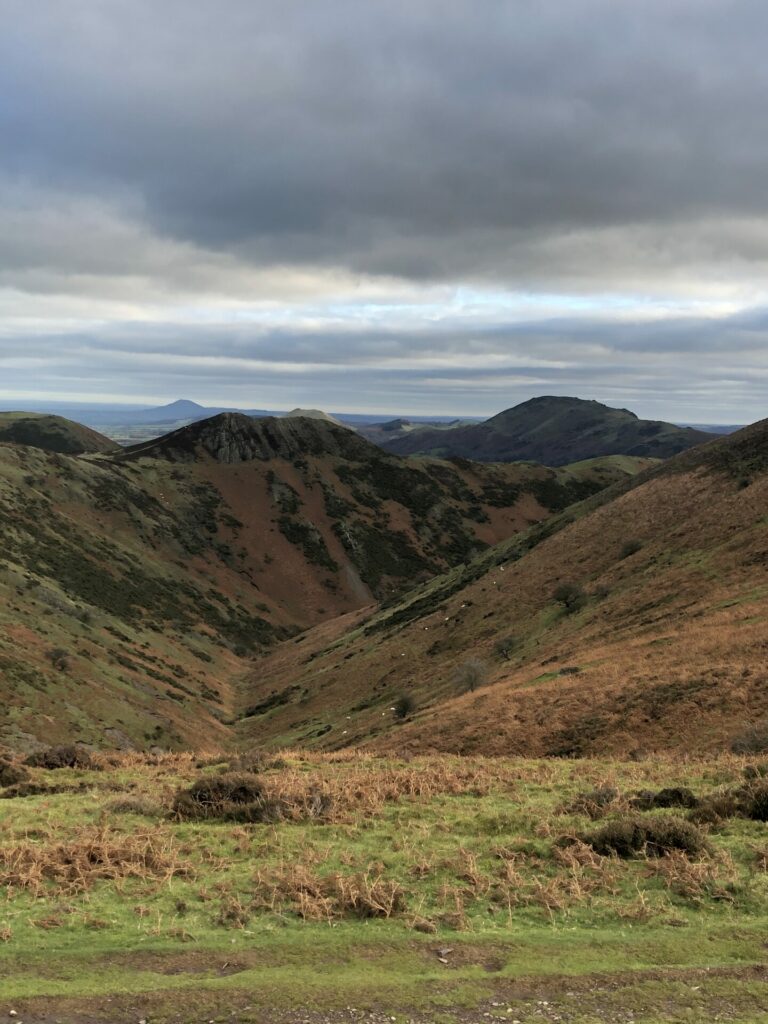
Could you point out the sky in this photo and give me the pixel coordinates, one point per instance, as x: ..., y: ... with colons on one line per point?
x: 401, y: 207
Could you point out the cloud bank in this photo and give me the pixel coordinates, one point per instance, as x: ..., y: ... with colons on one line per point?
x: 430, y: 205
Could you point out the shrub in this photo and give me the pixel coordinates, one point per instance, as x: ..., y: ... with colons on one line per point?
x: 25, y: 789
x: 571, y: 597
x: 753, y: 740
x: 665, y: 834
x: 630, y: 837
x: 60, y: 757
x: 754, y: 801
x: 750, y: 801
x: 671, y: 796
x: 251, y: 761
x: 505, y: 647
x: 469, y: 675
x: 11, y: 774
x: 405, y: 705
x: 59, y: 658
x: 716, y: 808
x: 630, y: 547
x: 232, y: 787
x: 593, y: 803
x: 235, y: 796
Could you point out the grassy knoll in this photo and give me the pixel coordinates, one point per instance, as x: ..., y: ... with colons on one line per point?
x: 435, y: 889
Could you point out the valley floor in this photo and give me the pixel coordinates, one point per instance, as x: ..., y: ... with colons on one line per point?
x: 433, y: 889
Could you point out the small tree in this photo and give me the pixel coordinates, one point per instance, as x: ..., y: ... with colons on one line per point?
x: 506, y: 646
x: 405, y: 705
x: 571, y: 597
x: 470, y: 674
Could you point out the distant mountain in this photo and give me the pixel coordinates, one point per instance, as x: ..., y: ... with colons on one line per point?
x: 175, y: 412
x: 715, y: 428
x: 132, y: 423
x: 164, y: 417
x: 553, y: 431
x: 313, y: 414
x: 368, y: 418
x: 385, y: 433
x: 52, y: 434
x: 180, y: 409
x: 136, y: 587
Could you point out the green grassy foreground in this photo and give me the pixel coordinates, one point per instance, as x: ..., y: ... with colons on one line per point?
x: 433, y: 889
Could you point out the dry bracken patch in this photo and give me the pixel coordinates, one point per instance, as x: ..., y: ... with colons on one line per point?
x: 70, y: 866
x: 315, y: 897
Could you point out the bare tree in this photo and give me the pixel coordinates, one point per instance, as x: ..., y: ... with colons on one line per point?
x: 470, y: 674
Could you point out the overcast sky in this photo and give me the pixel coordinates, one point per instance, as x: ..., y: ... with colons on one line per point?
x: 422, y: 207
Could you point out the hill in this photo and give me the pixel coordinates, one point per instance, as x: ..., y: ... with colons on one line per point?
x: 51, y: 434
x: 135, y: 587
x: 385, y: 434
x: 553, y: 431
x: 182, y: 408
x: 312, y: 414
x: 630, y: 623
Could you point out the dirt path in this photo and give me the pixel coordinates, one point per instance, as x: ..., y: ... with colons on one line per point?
x: 693, y: 996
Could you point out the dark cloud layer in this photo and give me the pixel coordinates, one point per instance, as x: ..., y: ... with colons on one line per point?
x: 158, y: 154
x: 427, y: 139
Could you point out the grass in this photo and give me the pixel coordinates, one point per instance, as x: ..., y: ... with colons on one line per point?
x: 370, y: 868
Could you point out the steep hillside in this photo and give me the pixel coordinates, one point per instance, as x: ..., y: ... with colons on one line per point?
x: 134, y: 587
x: 51, y: 433
x: 553, y: 431
x: 631, y: 623
x: 348, y: 524
x: 112, y: 629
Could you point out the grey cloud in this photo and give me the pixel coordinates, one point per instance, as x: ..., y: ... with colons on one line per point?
x: 428, y: 140
x: 448, y: 368
x: 269, y: 204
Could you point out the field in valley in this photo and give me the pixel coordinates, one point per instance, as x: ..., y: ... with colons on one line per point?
x: 336, y: 887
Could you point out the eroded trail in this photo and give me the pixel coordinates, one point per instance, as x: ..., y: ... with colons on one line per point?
x: 728, y: 994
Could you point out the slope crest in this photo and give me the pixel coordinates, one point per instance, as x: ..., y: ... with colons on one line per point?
x: 235, y: 437
x: 52, y: 434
